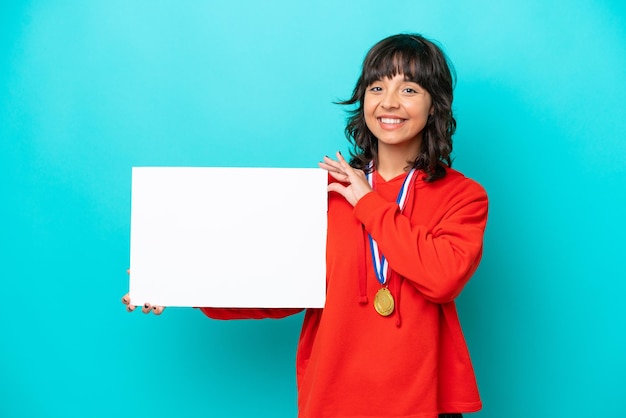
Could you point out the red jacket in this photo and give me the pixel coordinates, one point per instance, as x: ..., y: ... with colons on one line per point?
x: 352, y: 362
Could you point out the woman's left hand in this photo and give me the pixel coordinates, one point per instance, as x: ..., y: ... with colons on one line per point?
x: 340, y: 170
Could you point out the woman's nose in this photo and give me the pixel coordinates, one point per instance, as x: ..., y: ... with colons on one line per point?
x: 390, y: 100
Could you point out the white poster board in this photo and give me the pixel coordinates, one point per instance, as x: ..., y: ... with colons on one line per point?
x: 228, y: 237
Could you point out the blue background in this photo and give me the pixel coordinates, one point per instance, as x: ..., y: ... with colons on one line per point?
x: 90, y: 89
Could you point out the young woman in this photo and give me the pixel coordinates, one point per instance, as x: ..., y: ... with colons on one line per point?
x: 405, y: 234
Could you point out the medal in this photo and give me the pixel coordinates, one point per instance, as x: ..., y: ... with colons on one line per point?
x: 383, y: 302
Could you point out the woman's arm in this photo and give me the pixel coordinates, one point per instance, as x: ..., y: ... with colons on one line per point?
x: 438, y: 259
x: 249, y: 313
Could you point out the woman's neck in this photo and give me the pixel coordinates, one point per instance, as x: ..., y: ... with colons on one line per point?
x: 393, y: 162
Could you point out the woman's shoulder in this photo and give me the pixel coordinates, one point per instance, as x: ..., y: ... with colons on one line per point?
x: 456, y: 181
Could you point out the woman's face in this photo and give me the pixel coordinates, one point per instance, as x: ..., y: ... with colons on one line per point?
x: 396, y: 112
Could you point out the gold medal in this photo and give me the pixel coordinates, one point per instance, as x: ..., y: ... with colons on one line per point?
x: 383, y: 302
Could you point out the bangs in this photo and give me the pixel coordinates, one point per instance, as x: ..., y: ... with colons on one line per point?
x: 406, y: 60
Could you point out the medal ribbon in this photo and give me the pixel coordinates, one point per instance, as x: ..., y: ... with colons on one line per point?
x: 381, y: 266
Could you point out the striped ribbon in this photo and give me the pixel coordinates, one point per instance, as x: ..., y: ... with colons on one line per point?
x: 381, y: 267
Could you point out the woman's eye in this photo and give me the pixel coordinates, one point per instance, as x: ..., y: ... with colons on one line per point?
x: 410, y: 90
x: 375, y: 89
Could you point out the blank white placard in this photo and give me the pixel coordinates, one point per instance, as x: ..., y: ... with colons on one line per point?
x: 228, y: 237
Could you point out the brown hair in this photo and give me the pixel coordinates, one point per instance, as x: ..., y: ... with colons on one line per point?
x: 423, y: 62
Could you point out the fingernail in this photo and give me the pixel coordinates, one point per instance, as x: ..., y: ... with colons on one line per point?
x: 145, y: 305
x: 124, y: 299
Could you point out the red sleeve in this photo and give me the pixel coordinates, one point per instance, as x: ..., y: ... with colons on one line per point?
x: 248, y: 313
x: 437, y: 255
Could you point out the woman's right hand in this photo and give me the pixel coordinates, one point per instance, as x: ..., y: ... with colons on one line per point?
x: 145, y: 308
